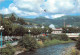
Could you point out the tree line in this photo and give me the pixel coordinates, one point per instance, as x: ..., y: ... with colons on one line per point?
x: 11, y: 27
x: 71, y: 30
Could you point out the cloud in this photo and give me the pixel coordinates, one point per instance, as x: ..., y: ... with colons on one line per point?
x: 24, y: 8
x: 57, y: 15
x: 37, y: 7
x: 29, y: 5
x: 60, y: 6
x: 5, y: 11
x: 47, y: 16
x: 2, y: 0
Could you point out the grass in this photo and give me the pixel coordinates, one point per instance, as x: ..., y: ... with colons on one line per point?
x: 40, y: 43
x: 54, y: 42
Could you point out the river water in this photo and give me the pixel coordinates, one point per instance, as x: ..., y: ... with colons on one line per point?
x: 51, y: 50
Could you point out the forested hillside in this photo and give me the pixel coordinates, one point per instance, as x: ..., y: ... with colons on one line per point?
x: 58, y: 22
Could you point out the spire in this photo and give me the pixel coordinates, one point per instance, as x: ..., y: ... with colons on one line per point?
x: 42, y: 25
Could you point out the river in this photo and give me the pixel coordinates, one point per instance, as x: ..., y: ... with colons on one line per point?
x: 51, y: 50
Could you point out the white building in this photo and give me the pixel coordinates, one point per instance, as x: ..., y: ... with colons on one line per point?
x: 57, y: 31
x: 52, y: 26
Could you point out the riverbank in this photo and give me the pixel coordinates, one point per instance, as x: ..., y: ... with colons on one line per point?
x: 71, y: 51
x: 54, y: 42
x: 50, y: 50
x: 46, y: 44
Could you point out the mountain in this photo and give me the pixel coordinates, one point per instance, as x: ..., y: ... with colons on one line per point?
x: 9, y: 15
x: 58, y: 22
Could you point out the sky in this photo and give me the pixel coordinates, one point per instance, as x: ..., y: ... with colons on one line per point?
x: 35, y: 8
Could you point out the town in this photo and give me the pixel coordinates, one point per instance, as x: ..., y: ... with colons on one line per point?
x: 41, y: 33
x: 39, y: 27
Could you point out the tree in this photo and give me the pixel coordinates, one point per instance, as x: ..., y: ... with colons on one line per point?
x: 63, y: 37
x: 78, y: 44
x: 35, y: 31
x: 14, y: 27
x: 71, y: 30
x: 9, y: 50
x: 50, y: 37
x: 12, y: 18
x: 28, y: 42
x: 45, y: 30
x: 19, y: 31
x: 7, y: 27
x: 21, y: 21
x: 1, y: 20
x: 50, y: 30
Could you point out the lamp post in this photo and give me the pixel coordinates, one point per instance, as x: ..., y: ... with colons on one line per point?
x: 1, y: 29
x: 29, y: 32
x: 47, y: 31
x: 42, y: 29
x: 67, y: 30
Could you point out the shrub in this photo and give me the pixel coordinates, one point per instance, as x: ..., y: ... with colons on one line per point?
x: 43, y: 38
x: 64, y: 37
x: 74, y: 39
x: 40, y: 43
x: 28, y: 42
x: 51, y: 37
x: 78, y: 44
x: 9, y: 50
x: 61, y: 37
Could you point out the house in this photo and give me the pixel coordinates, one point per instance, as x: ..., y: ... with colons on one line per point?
x: 57, y: 31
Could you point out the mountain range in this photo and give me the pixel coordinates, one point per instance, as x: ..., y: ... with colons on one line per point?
x: 58, y: 22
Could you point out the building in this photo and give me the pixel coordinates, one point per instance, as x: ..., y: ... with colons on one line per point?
x: 68, y: 25
x: 52, y: 26
x: 73, y: 34
x: 31, y: 26
x: 6, y: 17
x: 57, y: 31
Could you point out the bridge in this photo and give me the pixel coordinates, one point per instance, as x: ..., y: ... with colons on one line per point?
x: 73, y: 34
